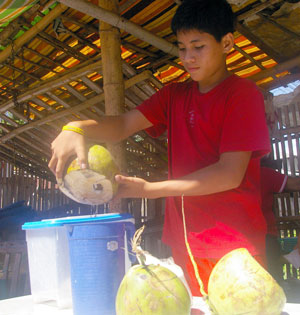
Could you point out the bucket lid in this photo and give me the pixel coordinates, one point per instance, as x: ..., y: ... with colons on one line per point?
x: 100, y: 218
x: 40, y: 225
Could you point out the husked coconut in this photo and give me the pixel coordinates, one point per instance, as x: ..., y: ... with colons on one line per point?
x: 95, y: 185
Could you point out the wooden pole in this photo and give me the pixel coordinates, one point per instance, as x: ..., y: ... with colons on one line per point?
x: 77, y: 108
x: 38, y: 27
x: 281, y: 67
x: 113, y: 85
x: 114, y: 19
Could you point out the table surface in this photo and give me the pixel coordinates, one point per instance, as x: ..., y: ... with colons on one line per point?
x: 24, y: 306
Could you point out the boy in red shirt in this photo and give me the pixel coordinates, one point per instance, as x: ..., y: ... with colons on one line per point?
x: 216, y: 136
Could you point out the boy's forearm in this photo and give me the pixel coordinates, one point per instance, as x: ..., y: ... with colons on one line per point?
x: 107, y: 129
x: 223, y: 175
x: 113, y: 128
x: 210, y: 180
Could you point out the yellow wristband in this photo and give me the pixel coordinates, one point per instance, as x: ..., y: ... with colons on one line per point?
x: 74, y: 129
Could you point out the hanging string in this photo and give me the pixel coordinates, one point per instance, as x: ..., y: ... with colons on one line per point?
x: 14, y: 90
x: 23, y: 68
x: 202, y: 291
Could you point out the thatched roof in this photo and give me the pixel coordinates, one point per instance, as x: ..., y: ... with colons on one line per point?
x: 50, y: 68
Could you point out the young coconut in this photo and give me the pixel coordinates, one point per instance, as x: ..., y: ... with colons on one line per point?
x: 238, y: 284
x: 95, y: 185
x: 151, y: 289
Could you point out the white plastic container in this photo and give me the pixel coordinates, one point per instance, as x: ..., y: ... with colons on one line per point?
x: 49, y: 265
x: 49, y: 259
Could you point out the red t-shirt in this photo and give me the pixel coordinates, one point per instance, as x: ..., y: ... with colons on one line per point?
x: 271, y: 182
x: 230, y: 117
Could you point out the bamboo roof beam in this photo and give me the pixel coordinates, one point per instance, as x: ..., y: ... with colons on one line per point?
x: 242, y: 52
x: 37, y: 139
x: 242, y: 29
x: 26, y: 73
x: 89, y: 27
x: 75, y: 93
x: 48, y: 69
x: 16, y: 24
x: 92, y: 85
x: 83, y: 41
x: 127, y: 4
x: 99, y: 98
x: 31, y: 33
x: 284, y: 66
x: 45, y: 58
x: 29, y: 143
x: 9, y: 120
x: 41, y: 103
x: 61, y: 46
x: 70, y: 76
x: 121, y: 23
x: 281, y: 81
x: 130, y: 71
x: 138, y: 49
x: 281, y: 27
x: 18, y: 114
x: 256, y: 9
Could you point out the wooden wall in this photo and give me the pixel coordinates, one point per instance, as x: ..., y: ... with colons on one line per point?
x: 285, y: 138
x: 16, y: 185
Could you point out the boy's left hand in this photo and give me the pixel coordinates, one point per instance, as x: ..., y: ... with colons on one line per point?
x: 134, y: 187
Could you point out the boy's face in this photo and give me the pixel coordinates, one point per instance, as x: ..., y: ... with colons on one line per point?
x: 202, y: 56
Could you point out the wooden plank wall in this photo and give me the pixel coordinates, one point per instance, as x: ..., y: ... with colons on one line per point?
x: 16, y: 185
x: 285, y: 138
x: 38, y: 193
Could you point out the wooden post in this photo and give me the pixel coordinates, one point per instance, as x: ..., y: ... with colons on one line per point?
x: 113, y: 85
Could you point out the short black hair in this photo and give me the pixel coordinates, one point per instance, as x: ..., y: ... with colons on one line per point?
x: 211, y: 16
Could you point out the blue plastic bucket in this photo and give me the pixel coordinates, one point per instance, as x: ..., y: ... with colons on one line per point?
x: 97, y: 261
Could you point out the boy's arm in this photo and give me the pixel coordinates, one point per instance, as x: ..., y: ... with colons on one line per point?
x: 107, y: 129
x: 226, y: 174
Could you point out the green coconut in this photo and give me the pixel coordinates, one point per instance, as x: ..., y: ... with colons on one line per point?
x: 151, y: 289
x: 239, y: 285
x: 95, y: 185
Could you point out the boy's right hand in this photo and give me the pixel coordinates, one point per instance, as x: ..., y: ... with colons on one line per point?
x: 66, y: 144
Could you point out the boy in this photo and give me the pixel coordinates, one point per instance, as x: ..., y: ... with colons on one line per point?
x: 216, y: 136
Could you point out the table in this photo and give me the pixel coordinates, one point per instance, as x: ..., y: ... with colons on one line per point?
x: 24, y: 306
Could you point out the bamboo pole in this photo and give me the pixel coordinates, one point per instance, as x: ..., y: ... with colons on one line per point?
x: 242, y: 29
x: 95, y: 100
x: 37, y: 28
x: 256, y: 9
x: 284, y: 66
x: 113, y: 84
x: 52, y: 84
x: 121, y: 23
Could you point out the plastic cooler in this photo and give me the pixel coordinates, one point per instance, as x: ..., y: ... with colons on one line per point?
x: 98, y: 248
x: 49, y: 265
x: 88, y: 254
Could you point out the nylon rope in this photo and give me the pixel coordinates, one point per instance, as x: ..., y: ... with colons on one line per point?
x: 202, y: 291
